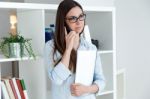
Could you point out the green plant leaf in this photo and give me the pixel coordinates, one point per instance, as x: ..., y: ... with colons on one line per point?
x: 16, y: 39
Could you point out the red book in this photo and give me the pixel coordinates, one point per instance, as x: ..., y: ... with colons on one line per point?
x: 20, y: 89
x: 13, y: 88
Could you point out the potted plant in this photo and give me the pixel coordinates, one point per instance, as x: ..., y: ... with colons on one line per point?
x: 15, y: 46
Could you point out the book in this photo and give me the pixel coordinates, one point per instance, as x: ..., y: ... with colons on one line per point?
x: 9, y: 89
x: 85, y: 66
x: 4, y: 91
x: 1, y: 93
x: 13, y: 88
x: 16, y: 88
x: 24, y: 88
x: 20, y: 88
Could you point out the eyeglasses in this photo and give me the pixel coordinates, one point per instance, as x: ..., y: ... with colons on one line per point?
x: 74, y: 19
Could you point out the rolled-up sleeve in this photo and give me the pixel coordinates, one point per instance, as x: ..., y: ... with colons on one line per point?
x: 99, y: 78
x: 58, y: 73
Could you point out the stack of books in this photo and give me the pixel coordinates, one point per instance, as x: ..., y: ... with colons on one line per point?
x: 13, y: 88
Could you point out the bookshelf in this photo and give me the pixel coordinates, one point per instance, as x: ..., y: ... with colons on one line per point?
x: 32, y: 20
x: 121, y: 83
x: 4, y: 59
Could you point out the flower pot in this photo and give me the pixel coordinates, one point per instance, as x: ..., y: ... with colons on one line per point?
x: 16, y: 50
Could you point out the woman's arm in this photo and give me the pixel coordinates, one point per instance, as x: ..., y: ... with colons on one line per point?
x: 59, y: 72
x: 69, y: 38
x: 54, y: 72
x: 66, y: 58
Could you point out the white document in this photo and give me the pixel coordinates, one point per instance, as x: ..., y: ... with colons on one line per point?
x: 86, y: 34
x: 85, y: 66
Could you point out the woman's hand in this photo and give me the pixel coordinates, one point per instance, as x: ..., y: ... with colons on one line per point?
x: 78, y: 89
x: 70, y: 40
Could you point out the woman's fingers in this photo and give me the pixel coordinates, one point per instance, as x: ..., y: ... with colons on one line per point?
x: 70, y: 39
x: 77, y: 89
x: 74, y: 88
x: 72, y: 33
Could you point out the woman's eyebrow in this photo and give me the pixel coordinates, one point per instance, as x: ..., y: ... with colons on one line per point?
x: 75, y: 16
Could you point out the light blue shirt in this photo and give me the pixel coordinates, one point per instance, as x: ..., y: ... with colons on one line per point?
x: 61, y: 77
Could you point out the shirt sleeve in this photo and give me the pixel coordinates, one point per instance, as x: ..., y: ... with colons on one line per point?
x: 59, y: 73
x: 99, y: 78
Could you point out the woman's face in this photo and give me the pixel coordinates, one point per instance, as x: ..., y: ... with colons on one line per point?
x: 75, y: 19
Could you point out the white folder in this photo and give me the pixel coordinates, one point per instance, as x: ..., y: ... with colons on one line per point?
x: 85, y: 66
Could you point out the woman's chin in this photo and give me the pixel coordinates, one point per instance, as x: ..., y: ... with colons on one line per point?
x: 79, y: 31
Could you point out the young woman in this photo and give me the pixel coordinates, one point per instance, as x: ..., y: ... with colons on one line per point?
x: 60, y: 55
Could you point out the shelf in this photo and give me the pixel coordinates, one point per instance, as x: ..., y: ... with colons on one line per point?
x: 106, y: 96
x: 121, y: 83
x: 105, y: 52
x: 5, y: 59
x: 107, y: 65
x: 106, y: 92
x: 120, y: 71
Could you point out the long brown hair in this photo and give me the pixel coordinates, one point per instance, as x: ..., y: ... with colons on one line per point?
x: 59, y: 36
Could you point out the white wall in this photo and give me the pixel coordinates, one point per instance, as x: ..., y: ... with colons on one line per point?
x: 133, y: 33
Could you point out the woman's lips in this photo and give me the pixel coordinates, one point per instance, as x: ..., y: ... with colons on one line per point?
x: 78, y: 28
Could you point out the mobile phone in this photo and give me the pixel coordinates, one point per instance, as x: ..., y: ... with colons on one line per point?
x: 68, y: 29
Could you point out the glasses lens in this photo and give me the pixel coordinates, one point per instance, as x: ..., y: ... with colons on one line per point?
x: 82, y: 17
x: 74, y: 19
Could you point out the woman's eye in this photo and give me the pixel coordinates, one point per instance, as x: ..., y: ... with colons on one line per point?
x: 73, y: 18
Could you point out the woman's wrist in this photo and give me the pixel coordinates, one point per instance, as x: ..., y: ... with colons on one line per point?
x: 67, y: 51
x: 66, y: 57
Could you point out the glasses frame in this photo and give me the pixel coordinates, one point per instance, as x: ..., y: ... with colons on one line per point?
x: 77, y: 18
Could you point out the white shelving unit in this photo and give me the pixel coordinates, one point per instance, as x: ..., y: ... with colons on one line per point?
x: 32, y: 20
x: 4, y: 59
x: 121, y: 84
x: 105, y: 52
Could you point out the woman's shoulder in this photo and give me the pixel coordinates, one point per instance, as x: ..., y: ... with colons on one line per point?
x: 49, y: 45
